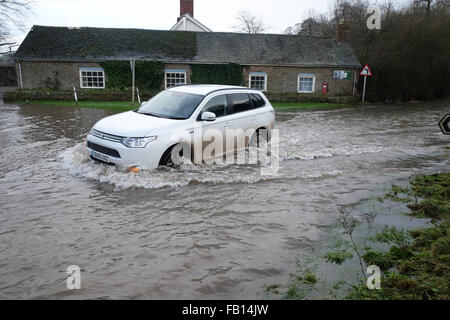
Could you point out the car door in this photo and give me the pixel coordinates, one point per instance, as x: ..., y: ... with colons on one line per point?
x: 241, y: 117
x: 217, y: 105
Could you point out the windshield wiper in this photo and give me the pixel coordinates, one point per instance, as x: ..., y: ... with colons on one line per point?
x: 151, y: 114
x: 176, y: 118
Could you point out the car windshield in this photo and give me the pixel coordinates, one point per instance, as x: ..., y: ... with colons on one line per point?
x: 171, y: 105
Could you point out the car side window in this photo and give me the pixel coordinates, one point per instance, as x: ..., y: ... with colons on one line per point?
x: 257, y: 100
x: 240, y: 102
x: 216, y: 105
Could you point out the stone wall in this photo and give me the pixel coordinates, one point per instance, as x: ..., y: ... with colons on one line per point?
x: 285, y: 79
x: 105, y: 95
x: 279, y: 79
x: 40, y: 74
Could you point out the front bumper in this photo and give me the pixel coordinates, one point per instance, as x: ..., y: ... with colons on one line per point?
x: 124, y: 157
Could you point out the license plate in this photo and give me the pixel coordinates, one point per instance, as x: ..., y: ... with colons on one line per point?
x: 100, y: 156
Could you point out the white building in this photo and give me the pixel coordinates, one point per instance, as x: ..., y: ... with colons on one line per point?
x: 186, y: 21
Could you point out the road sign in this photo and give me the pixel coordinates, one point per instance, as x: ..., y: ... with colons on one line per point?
x: 365, y: 72
x: 444, y: 124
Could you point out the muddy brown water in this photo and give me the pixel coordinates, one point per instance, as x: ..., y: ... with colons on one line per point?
x: 207, y: 232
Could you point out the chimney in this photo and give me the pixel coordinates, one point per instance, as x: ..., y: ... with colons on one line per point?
x: 342, y: 30
x: 186, y: 6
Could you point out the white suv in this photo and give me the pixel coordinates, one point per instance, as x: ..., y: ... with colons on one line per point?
x: 144, y: 138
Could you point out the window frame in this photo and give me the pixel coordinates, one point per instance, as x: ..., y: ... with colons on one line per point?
x: 257, y: 74
x: 306, y: 75
x: 173, y: 71
x: 91, y: 69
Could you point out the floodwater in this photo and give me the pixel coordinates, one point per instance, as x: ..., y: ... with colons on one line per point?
x: 204, y: 232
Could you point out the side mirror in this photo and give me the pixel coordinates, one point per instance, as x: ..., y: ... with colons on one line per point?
x: 208, y: 116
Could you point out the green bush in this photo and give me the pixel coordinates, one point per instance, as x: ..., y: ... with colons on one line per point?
x: 149, y: 75
x: 379, y: 259
x: 338, y: 257
x: 230, y: 74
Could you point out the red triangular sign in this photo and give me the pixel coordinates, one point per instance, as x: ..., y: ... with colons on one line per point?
x: 366, y: 71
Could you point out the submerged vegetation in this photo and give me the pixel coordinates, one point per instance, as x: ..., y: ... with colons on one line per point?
x: 338, y: 257
x: 434, y: 192
x: 417, y: 264
x: 414, y: 263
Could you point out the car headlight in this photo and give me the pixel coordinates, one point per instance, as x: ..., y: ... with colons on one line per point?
x: 138, y: 142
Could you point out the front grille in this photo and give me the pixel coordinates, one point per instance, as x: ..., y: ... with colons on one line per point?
x: 106, y: 136
x: 104, y: 150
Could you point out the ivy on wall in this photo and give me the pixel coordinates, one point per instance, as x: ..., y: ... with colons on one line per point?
x: 149, y: 75
x: 230, y: 74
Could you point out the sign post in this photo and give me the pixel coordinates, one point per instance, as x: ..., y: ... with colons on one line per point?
x: 133, y: 72
x: 365, y: 72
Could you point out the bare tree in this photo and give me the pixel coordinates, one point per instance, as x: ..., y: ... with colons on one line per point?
x: 249, y: 23
x: 427, y: 3
x: 12, y: 14
x: 317, y: 25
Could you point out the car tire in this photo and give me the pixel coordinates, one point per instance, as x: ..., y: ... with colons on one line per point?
x: 255, y: 139
x: 166, y: 159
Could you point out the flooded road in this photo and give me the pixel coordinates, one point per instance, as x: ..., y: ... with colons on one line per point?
x: 205, y: 232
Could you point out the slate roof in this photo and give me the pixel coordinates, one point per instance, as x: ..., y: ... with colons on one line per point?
x: 97, y: 44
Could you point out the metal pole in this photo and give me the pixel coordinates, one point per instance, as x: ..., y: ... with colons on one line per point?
x: 75, y: 95
x: 132, y: 74
x: 20, y: 75
x: 364, y: 89
x: 138, y: 96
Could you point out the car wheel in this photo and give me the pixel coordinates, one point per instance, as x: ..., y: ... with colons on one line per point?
x: 259, y: 136
x: 166, y: 159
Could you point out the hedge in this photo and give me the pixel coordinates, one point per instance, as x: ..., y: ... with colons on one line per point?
x: 230, y: 74
x: 149, y: 75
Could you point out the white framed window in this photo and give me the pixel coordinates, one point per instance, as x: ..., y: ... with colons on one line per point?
x: 258, y: 81
x: 175, y: 78
x: 306, y: 82
x: 92, y: 78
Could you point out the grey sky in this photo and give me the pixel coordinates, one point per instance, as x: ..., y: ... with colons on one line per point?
x: 218, y: 15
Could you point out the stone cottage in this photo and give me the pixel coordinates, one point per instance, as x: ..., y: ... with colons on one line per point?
x: 63, y: 57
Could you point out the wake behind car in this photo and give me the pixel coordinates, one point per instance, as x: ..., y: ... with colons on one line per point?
x: 144, y: 138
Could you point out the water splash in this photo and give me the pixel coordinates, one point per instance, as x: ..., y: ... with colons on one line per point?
x: 77, y: 161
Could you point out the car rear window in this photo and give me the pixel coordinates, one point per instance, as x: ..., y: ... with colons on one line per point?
x: 240, y: 102
x: 257, y: 100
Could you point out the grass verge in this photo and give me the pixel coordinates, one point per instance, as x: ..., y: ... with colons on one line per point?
x: 125, y: 105
x: 105, y: 105
x: 281, y: 106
